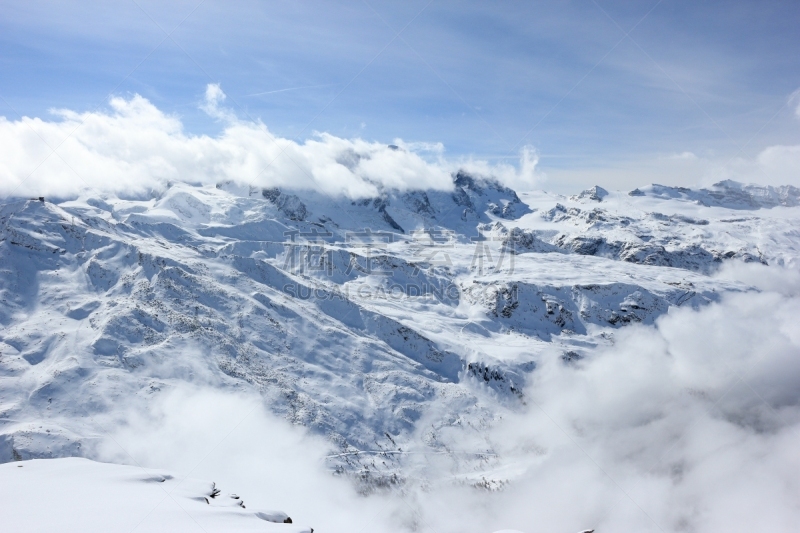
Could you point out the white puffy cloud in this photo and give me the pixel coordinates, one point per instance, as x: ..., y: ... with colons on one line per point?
x: 229, y: 437
x: 774, y: 165
x: 524, y: 178
x: 213, y: 98
x: 690, y: 424
x: 134, y: 148
x: 780, y: 164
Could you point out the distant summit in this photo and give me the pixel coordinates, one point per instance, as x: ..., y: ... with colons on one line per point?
x: 729, y: 194
x: 596, y: 194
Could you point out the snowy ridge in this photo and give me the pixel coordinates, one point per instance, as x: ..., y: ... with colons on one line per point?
x: 729, y: 194
x: 390, y: 325
x: 665, y: 226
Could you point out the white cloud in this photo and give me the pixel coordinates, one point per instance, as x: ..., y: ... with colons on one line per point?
x: 688, y: 425
x: 214, y: 97
x: 684, y: 155
x: 524, y: 178
x: 135, y: 148
x: 230, y: 438
x: 794, y: 100
x: 775, y: 165
x: 780, y: 163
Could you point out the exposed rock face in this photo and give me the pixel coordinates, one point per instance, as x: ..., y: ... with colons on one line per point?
x: 380, y: 205
x: 502, y: 380
x: 518, y: 240
x: 690, y: 257
x: 595, y: 194
x: 501, y: 201
x: 653, y: 238
x: 545, y: 311
x: 289, y: 204
x: 732, y: 195
x: 419, y: 203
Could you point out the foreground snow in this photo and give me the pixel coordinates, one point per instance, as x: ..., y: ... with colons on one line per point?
x: 79, y: 495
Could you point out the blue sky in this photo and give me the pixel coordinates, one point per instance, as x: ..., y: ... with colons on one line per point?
x: 602, y: 90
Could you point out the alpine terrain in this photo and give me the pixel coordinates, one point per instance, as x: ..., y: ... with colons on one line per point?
x: 401, y: 329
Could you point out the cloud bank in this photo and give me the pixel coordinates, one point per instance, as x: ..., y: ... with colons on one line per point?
x: 134, y: 148
x: 687, y: 425
x: 775, y: 165
x: 691, y: 424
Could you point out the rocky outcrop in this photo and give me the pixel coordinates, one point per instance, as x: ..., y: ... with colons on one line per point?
x: 595, y: 194
x: 289, y: 204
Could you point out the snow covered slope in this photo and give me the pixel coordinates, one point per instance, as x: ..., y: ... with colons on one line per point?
x: 395, y: 326
x: 82, y: 496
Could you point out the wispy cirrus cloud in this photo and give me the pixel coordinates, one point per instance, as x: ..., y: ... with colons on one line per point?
x: 794, y: 101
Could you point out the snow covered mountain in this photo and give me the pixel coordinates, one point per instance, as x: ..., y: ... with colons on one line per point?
x: 400, y: 327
